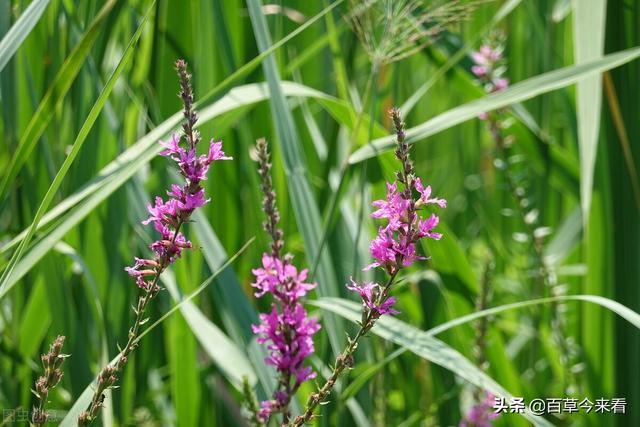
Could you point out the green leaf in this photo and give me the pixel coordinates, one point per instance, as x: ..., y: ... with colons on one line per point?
x: 424, y: 345
x: 227, y: 356
x: 565, y: 239
x: 232, y: 303
x: 622, y: 311
x: 518, y: 92
x: 54, y: 96
x: 20, y: 30
x: 504, y: 11
x: 413, y: 339
x: 588, y: 39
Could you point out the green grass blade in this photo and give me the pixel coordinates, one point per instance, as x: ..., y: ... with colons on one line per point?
x: 255, y: 62
x: 504, y: 11
x: 425, y: 346
x: 139, y: 154
x: 75, y: 149
x: 232, y: 303
x: 614, y: 306
x: 518, y: 92
x: 54, y: 96
x: 223, y: 351
x: 588, y: 38
x: 20, y: 30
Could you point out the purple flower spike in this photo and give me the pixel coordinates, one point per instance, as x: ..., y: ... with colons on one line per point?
x: 488, y: 69
x: 287, y: 330
x: 395, y: 245
x: 168, y: 217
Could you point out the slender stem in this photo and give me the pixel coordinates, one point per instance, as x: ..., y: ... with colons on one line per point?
x: 543, y: 274
x: 481, y: 325
x: 107, y: 378
x: 344, y: 360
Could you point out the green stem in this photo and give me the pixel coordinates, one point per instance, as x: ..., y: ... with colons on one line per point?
x: 344, y: 360
x: 90, y: 415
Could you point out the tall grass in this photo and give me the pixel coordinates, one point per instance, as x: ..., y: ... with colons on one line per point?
x: 87, y: 88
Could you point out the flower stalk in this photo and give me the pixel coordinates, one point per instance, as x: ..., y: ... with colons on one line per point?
x: 287, y: 330
x: 393, y: 250
x: 490, y: 65
x: 168, y: 218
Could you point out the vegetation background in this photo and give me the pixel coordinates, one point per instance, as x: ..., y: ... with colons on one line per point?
x: 93, y: 82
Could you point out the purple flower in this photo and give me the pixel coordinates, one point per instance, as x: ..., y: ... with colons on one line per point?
x: 216, y: 153
x: 370, y: 294
x: 479, y: 70
x: 395, y: 245
x: 481, y: 414
x: 287, y: 351
x: 489, y: 71
x: 287, y: 330
x: 280, y: 279
x: 167, y: 217
x: 172, y: 148
x: 394, y: 208
x: 162, y: 212
x: 425, y: 195
x: 501, y: 84
x: 426, y: 225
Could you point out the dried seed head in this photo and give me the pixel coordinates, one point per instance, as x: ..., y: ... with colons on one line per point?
x: 391, y: 30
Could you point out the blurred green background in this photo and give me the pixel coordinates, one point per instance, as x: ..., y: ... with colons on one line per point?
x: 57, y: 57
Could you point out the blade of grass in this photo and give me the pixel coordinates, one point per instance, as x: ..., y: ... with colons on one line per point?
x: 504, y: 11
x: 621, y: 130
x: 54, y: 96
x: 77, y: 206
x: 222, y: 350
x: 304, y: 205
x: 255, y: 62
x: 75, y: 149
x: 20, y: 30
x: 139, y: 154
x: 425, y: 346
x: 588, y: 40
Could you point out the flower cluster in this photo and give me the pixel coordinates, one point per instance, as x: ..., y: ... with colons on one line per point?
x: 481, y: 414
x: 369, y: 293
x: 393, y: 249
x: 287, y: 330
x: 395, y: 245
x: 488, y: 68
x: 168, y: 216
